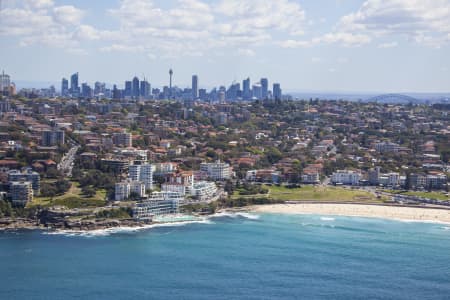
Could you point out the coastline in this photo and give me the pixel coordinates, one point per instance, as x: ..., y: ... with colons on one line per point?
x: 403, y: 213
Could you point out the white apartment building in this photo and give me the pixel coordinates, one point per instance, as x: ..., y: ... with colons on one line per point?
x: 217, y: 170
x: 203, y: 190
x: 121, y: 191
x: 142, y: 172
x: 346, y: 177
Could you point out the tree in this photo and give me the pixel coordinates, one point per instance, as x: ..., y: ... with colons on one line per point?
x: 229, y: 188
x: 88, y: 191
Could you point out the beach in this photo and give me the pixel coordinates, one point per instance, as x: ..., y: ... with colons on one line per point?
x: 359, y: 210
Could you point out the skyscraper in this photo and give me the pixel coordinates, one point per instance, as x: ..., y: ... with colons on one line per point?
x: 170, y: 83
x: 246, y: 92
x: 128, y: 89
x: 257, y: 91
x: 64, y: 87
x: 86, y: 90
x: 116, y: 93
x: 277, y: 91
x: 99, y: 88
x: 74, y: 87
x: 264, y: 88
x: 5, y: 83
x: 135, y: 87
x: 195, y: 86
x: 145, y: 89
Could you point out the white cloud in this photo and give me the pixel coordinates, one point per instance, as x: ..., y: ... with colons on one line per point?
x: 40, y: 22
x: 296, y: 44
x: 388, y: 45
x: 316, y: 60
x: 122, y: 48
x: 67, y: 15
x: 345, y: 38
x: 425, y: 22
x: 246, y: 52
x: 193, y: 26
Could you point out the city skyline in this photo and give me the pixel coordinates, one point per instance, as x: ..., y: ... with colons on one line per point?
x: 143, y: 89
x: 359, y: 46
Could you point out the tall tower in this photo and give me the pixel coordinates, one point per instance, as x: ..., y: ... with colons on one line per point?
x: 194, y: 86
x: 170, y: 83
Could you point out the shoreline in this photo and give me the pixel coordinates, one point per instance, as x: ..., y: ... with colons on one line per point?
x: 390, y: 212
x: 381, y: 211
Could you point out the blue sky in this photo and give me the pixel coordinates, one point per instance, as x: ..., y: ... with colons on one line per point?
x: 306, y: 45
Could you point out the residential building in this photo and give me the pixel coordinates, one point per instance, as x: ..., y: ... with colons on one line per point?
x: 203, y: 190
x: 158, y: 203
x: 311, y: 177
x: 142, y: 171
x: 26, y: 175
x: 21, y: 192
x: 121, y: 191
x: 122, y: 139
x: 52, y: 138
x: 346, y: 177
x: 217, y: 171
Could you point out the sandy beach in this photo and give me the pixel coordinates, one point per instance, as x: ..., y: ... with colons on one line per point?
x: 357, y: 210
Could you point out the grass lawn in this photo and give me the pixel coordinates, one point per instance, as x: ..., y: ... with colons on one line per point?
x: 321, y: 193
x: 430, y: 195
x: 73, y: 198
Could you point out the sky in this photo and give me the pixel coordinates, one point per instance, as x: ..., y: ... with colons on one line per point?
x: 306, y: 45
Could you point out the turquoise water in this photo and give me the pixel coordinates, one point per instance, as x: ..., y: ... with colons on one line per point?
x: 233, y: 257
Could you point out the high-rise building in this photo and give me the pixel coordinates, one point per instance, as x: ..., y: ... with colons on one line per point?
x: 142, y: 172
x: 64, y: 87
x: 246, y: 92
x: 202, y: 94
x: 52, y: 138
x: 21, y: 192
x: 233, y: 91
x: 123, y: 139
x: 116, y: 93
x: 99, y: 88
x: 195, y: 86
x: 217, y: 170
x: 277, y: 91
x: 74, y: 87
x: 128, y: 89
x: 135, y: 88
x: 5, y: 83
x: 27, y: 175
x: 257, y: 91
x: 86, y: 90
x: 145, y: 89
x: 170, y: 83
x: 264, y: 88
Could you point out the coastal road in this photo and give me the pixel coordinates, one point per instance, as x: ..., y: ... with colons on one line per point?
x: 66, y: 164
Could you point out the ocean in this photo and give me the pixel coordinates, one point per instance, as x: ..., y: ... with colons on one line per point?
x: 233, y: 256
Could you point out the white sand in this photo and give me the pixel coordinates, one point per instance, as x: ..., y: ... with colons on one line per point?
x: 376, y: 211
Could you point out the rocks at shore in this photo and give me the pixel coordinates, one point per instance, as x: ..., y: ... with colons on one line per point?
x: 65, y: 220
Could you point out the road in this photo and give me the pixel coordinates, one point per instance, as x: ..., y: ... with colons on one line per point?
x: 66, y: 164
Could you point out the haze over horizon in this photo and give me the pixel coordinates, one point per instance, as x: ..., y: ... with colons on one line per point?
x: 329, y: 46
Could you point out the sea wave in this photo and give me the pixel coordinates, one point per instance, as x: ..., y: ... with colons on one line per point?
x: 245, y: 215
x: 327, y: 219
x: 118, y: 230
